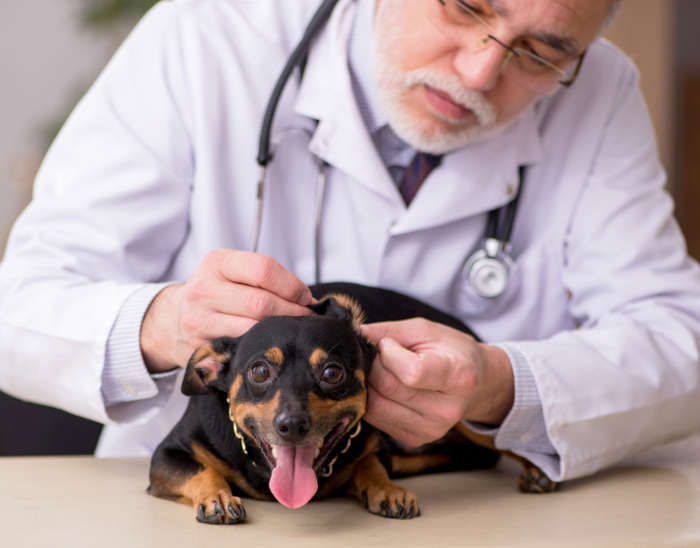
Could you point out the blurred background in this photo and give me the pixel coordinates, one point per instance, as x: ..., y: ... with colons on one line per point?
x: 51, y: 51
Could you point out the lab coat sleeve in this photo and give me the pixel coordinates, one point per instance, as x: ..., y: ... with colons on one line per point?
x: 108, y: 213
x: 125, y: 378
x: 627, y: 378
x: 524, y: 427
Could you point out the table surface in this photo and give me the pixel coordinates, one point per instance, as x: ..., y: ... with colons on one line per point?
x: 650, y: 501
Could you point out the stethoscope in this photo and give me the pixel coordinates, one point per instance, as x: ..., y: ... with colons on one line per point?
x: 487, y: 270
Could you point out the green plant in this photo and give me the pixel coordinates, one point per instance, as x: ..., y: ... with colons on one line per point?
x: 104, y: 13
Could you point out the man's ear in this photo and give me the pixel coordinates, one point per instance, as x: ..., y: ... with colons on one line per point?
x: 342, y: 307
x: 207, y: 367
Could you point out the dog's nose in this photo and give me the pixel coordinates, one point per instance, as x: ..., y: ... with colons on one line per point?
x: 292, y: 427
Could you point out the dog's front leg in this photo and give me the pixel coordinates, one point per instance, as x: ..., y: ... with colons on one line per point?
x: 370, y: 484
x: 175, y: 473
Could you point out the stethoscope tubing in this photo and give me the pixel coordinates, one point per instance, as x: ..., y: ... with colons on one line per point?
x: 502, y: 229
x: 265, y: 154
x: 499, y: 223
x: 298, y: 56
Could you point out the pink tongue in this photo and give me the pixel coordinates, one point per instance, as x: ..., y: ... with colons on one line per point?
x: 293, y: 481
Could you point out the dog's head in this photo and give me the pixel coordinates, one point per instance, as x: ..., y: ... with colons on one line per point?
x: 295, y: 387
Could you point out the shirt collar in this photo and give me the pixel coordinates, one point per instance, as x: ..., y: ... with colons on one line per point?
x: 341, y: 138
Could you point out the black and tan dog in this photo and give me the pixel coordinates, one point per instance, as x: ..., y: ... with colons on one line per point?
x: 277, y: 414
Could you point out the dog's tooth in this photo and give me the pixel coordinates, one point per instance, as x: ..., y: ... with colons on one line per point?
x: 318, y: 451
x: 274, y: 451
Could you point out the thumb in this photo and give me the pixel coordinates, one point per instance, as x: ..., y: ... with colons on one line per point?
x: 404, y: 332
x: 396, y: 358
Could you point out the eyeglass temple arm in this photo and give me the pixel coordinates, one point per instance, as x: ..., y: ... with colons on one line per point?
x: 568, y: 83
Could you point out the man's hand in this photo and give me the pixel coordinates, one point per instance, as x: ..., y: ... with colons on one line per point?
x: 428, y: 376
x: 227, y: 294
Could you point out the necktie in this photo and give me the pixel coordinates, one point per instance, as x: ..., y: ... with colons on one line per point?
x: 416, y: 172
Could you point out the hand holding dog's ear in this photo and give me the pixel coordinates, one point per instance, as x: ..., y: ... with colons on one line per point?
x: 428, y: 376
x: 227, y: 294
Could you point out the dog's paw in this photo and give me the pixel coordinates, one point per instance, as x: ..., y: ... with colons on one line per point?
x: 533, y: 480
x: 391, y: 501
x: 220, y: 509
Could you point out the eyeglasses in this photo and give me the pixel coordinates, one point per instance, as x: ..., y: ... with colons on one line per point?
x: 522, y: 55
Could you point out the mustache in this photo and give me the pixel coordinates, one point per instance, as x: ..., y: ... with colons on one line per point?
x: 450, y: 84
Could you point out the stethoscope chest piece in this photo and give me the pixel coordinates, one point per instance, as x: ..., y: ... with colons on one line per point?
x: 488, y: 269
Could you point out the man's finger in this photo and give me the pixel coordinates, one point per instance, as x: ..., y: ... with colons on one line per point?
x: 252, y: 302
x: 264, y: 272
x: 404, y: 424
x: 223, y: 325
x: 420, y: 371
x: 408, y: 333
x: 437, y: 407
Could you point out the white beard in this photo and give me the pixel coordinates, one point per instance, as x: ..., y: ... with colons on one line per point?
x: 393, y: 83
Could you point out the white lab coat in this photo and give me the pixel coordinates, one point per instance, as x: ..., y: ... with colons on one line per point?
x: 157, y: 166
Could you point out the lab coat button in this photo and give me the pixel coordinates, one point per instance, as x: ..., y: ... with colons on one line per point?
x: 526, y: 437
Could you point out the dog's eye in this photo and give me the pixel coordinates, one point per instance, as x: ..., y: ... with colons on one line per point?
x: 332, y: 374
x: 259, y: 373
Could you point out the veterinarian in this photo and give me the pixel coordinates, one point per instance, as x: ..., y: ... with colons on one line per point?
x: 136, y: 246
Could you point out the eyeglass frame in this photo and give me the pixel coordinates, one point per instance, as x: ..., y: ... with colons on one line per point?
x: 514, y: 51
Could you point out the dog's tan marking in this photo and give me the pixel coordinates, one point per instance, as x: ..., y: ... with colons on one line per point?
x: 406, y: 465
x: 479, y: 439
x: 206, y: 350
x: 205, y: 485
x: 321, y: 409
x: 235, y: 389
x: 210, y: 461
x: 371, y: 484
x: 263, y: 414
x: 208, y: 362
x: 275, y: 355
x: 318, y: 356
x: 210, y: 491
x: 358, y: 315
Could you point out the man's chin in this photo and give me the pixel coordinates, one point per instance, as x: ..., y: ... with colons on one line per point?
x: 441, y: 136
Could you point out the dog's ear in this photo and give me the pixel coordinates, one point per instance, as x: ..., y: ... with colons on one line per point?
x: 207, y: 367
x: 369, y: 352
x: 343, y: 307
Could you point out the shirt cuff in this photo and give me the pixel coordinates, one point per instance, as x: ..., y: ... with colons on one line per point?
x: 125, y: 377
x: 523, y: 430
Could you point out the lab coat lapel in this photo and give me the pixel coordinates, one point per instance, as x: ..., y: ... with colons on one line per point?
x: 470, y: 181
x: 476, y: 178
x: 326, y: 94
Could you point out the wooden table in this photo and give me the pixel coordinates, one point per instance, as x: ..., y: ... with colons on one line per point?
x: 650, y: 501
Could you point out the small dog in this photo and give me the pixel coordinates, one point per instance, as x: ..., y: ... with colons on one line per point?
x: 277, y: 414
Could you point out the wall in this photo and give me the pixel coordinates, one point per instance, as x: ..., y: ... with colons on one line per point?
x: 46, y: 62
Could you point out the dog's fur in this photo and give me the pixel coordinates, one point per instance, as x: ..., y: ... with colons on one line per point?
x: 262, y: 404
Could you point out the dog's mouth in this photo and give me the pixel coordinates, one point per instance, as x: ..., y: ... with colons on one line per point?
x: 293, y: 481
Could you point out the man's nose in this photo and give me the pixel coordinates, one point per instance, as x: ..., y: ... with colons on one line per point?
x: 480, y: 70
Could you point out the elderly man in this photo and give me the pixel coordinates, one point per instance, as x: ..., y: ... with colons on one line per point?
x: 421, y: 116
